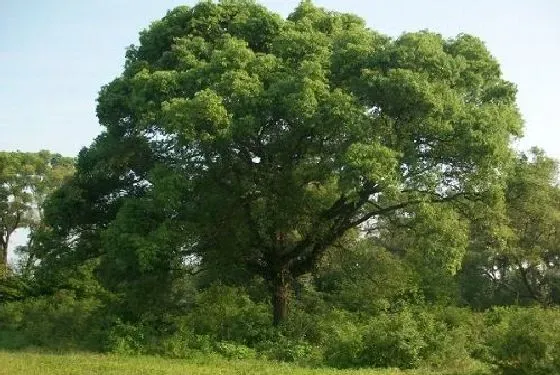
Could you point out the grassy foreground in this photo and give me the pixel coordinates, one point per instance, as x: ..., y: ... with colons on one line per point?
x: 28, y: 363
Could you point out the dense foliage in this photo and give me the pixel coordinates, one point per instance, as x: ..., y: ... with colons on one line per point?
x: 302, y: 189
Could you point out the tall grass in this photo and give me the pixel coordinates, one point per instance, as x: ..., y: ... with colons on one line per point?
x: 29, y: 363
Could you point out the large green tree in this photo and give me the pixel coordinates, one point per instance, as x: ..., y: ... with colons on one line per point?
x: 271, y: 138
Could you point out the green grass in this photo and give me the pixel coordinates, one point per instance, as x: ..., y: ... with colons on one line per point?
x: 30, y: 363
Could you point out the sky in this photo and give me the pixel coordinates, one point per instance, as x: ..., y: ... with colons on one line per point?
x: 55, y: 55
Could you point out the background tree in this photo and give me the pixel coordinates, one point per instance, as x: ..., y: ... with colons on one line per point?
x: 477, y: 281
x: 361, y: 276
x: 69, y: 243
x: 533, y: 199
x: 521, y: 265
x: 432, y: 241
x: 26, y: 179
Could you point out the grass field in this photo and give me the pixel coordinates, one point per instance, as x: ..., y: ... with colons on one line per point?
x: 28, y: 363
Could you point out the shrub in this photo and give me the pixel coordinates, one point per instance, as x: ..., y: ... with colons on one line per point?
x: 12, y: 340
x: 234, y: 351
x: 228, y: 314
x: 524, y: 341
x: 301, y: 326
x: 406, y: 339
x: 393, y: 340
x: 123, y: 338
x: 343, y: 344
x: 183, y: 342
x: 282, y: 348
x: 451, y: 335
x: 56, y: 322
x: 11, y: 316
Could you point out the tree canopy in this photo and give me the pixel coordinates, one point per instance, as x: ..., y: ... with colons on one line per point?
x: 248, y: 143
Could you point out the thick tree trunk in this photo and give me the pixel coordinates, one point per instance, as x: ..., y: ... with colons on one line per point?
x: 280, y: 299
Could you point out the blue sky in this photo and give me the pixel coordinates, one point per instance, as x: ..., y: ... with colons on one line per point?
x: 56, y: 54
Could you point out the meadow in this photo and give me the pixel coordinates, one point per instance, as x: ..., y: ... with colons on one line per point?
x: 30, y: 363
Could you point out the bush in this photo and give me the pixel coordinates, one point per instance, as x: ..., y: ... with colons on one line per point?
x: 524, y: 341
x: 407, y: 339
x: 393, y: 340
x: 228, y: 314
x: 234, y: 351
x: 285, y: 349
x: 144, y: 338
x: 223, y: 321
x: 56, y: 322
x: 302, y: 326
x: 387, y: 340
x: 123, y: 338
x: 11, y: 316
x: 343, y: 342
x: 183, y: 342
x: 451, y: 335
x: 12, y: 340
